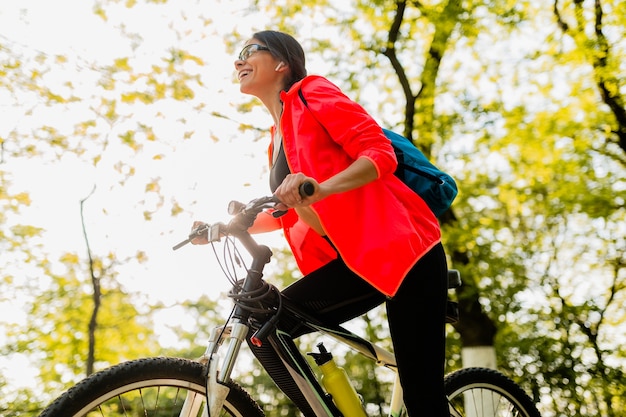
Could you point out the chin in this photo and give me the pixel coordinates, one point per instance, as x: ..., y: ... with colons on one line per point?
x: 244, y: 89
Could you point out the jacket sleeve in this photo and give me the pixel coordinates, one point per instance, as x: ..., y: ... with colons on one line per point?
x: 349, y: 124
x: 264, y: 222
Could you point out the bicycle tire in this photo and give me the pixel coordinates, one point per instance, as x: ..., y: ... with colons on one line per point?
x: 478, y: 392
x: 150, y: 386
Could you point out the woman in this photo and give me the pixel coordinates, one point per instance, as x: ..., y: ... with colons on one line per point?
x: 362, y: 238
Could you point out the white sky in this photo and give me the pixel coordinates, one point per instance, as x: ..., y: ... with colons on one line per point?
x: 198, y: 169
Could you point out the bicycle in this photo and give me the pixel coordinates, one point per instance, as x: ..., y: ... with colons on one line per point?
x: 162, y: 386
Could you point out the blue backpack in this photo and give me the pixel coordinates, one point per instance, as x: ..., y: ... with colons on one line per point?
x: 436, y: 187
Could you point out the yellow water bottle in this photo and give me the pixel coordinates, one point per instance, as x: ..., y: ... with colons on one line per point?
x: 337, y: 384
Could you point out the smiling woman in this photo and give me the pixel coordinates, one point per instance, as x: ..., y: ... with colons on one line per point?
x: 388, y: 250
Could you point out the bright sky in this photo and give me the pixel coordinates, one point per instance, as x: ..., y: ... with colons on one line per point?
x: 195, y: 170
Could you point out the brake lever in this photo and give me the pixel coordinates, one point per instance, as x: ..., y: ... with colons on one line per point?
x: 279, y: 213
x: 306, y: 189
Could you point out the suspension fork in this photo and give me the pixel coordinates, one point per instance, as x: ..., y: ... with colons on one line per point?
x: 233, y: 333
x: 216, y: 393
x: 218, y: 368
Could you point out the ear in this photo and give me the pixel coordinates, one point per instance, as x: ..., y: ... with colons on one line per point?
x: 279, y: 66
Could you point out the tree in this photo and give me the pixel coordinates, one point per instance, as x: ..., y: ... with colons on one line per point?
x: 57, y: 325
x: 527, y: 134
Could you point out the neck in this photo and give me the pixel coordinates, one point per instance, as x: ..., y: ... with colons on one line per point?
x: 275, y: 107
x: 270, y: 97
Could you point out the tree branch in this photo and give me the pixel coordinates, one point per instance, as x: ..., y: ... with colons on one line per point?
x: 390, y: 52
x: 97, y: 294
x: 607, y: 82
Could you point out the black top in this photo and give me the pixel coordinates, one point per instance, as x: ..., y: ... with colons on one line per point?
x: 279, y: 170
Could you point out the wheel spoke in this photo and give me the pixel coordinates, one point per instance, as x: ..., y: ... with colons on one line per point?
x: 480, y: 392
x: 155, y: 387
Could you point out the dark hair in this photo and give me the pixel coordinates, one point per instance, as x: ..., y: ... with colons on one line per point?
x: 286, y: 48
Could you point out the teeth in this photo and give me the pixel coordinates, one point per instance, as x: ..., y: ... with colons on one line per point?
x: 243, y: 74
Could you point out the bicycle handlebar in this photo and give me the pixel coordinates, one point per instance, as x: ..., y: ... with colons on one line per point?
x: 245, y: 214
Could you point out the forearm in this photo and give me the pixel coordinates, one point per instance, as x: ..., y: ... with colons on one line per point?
x: 359, y: 173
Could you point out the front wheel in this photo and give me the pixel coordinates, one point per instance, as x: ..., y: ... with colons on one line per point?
x: 482, y: 392
x: 153, y: 386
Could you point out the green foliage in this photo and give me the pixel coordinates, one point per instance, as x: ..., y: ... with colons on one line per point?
x: 55, y: 330
x: 204, y: 313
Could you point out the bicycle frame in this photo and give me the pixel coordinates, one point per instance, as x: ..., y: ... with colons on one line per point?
x: 233, y: 334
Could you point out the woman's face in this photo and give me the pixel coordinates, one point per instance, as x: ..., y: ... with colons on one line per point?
x: 257, y: 69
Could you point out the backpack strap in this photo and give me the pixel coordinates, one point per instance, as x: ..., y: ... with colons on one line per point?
x: 302, y: 98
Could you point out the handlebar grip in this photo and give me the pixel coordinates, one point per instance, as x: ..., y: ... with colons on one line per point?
x: 194, y: 233
x: 181, y: 244
x: 306, y: 189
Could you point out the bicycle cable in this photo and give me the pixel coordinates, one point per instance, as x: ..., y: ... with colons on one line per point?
x: 230, y: 256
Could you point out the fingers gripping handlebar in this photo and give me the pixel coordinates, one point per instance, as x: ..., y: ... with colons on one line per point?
x: 245, y: 214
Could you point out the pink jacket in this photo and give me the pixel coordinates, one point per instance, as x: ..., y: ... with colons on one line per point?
x: 381, y: 229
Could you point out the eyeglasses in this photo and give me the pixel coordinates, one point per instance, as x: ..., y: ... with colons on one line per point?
x: 250, y: 49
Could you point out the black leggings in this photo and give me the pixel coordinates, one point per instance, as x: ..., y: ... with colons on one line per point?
x: 416, y: 317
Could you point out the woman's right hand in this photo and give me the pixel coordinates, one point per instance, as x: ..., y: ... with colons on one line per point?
x: 288, y: 192
x: 202, y: 238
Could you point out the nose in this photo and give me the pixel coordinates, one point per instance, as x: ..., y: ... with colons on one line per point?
x: 238, y: 63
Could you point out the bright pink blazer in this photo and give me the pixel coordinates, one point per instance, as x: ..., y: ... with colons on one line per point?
x: 381, y: 229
